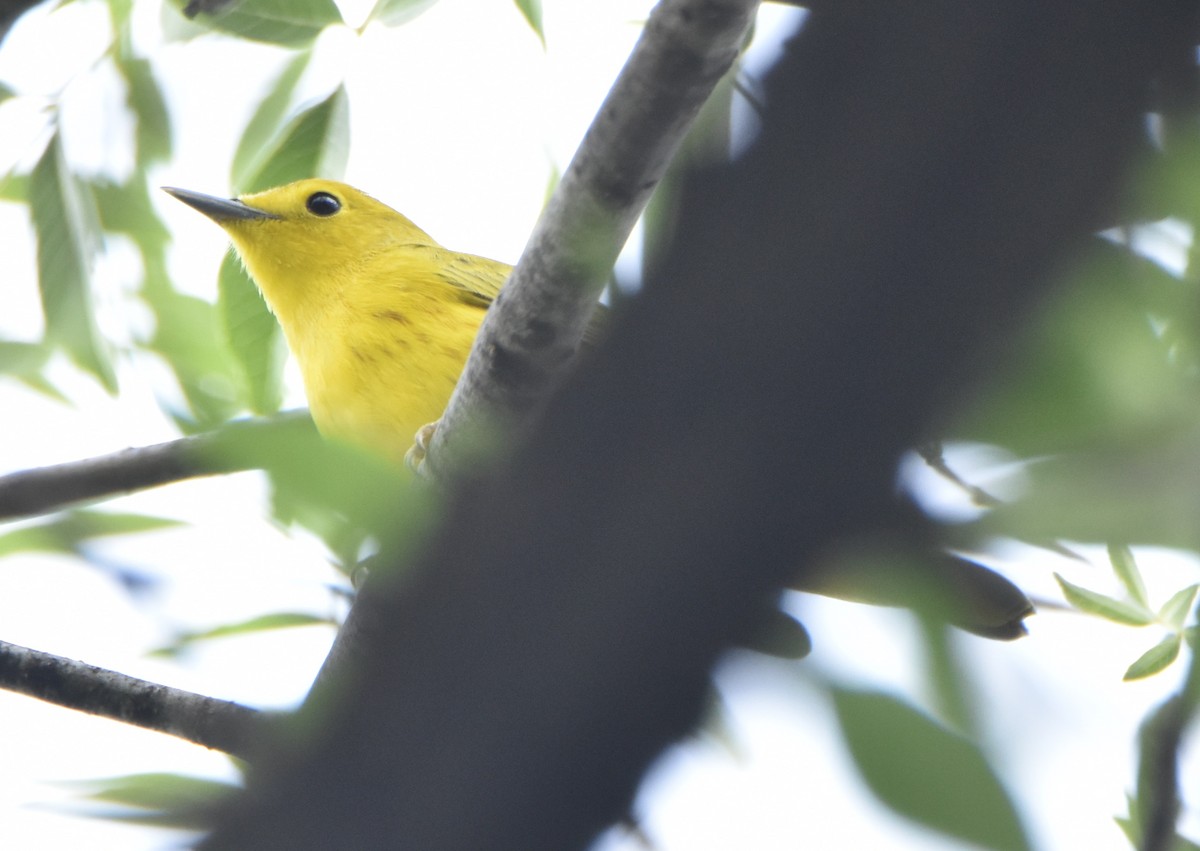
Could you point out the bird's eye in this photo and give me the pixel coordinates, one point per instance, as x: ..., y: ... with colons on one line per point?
x: 322, y: 204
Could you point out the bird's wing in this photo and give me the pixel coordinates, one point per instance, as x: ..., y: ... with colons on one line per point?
x: 477, y: 278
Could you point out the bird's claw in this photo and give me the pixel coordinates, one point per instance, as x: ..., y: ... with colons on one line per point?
x: 414, y: 458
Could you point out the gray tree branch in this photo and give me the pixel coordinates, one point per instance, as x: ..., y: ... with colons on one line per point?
x: 213, y: 723
x: 44, y: 489
x: 532, y: 332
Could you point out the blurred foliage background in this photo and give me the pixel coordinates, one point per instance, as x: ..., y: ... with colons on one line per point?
x: 1088, y: 436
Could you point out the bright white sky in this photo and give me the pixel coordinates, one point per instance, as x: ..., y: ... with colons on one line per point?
x: 456, y: 120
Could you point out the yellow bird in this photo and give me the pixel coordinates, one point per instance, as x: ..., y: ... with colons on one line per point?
x: 379, y: 316
x: 381, y: 319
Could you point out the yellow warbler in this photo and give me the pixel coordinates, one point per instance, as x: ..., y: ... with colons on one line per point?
x: 379, y: 316
x: 381, y: 319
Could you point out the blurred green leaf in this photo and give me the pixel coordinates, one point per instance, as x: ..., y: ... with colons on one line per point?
x: 22, y: 358
x: 187, y: 332
x: 126, y: 208
x: 68, y: 235
x: 6, y: 92
x: 254, y: 336
x: 188, y: 335
x: 264, y: 623
x: 1124, y: 565
x: 1138, y: 489
x: 342, y: 493
x: 119, y: 11
x: 1168, y: 185
x: 1131, y: 825
x: 314, y: 144
x: 393, y: 13
x: 145, y: 99
x: 1155, y: 659
x: 291, y: 23
x: 925, y: 772
x: 24, y: 362
x: 1104, y: 606
x: 14, y: 187
x: 161, y: 799
x: 263, y: 133
x: 66, y: 532
x: 532, y: 10
x: 1062, y: 391
x: 1174, y: 612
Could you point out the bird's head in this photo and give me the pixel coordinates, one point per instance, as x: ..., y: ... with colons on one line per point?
x: 311, y: 230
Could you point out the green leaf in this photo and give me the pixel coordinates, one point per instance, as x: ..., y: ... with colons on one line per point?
x: 1062, y: 392
x: 66, y: 532
x: 926, y: 773
x: 189, y: 336
x: 1106, y: 607
x: 253, y: 334
x: 22, y: 358
x: 314, y: 144
x: 24, y: 362
x: 145, y: 99
x: 264, y: 623
x: 119, y: 12
x: 68, y: 235
x: 1127, y: 571
x: 532, y: 10
x: 292, y: 23
x: 161, y: 799
x: 393, y: 13
x: 1155, y: 659
x: 328, y: 486
x: 188, y: 332
x: 263, y: 134
x: 1175, y: 611
x: 1131, y: 825
x: 6, y: 92
x: 14, y: 187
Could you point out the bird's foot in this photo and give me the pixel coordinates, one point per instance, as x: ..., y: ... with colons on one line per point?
x: 414, y: 459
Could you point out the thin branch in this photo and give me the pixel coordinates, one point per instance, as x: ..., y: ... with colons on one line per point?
x: 530, y: 335
x: 931, y: 453
x: 46, y: 489
x: 1163, y: 734
x: 213, y: 723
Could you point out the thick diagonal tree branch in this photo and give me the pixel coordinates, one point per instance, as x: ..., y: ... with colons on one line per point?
x: 922, y: 172
x: 206, y: 721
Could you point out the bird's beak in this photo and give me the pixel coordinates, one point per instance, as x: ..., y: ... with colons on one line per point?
x: 219, y: 209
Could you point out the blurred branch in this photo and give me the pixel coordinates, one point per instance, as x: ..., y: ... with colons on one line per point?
x: 206, y: 721
x: 1160, y: 740
x: 931, y: 454
x: 46, y: 489
x: 530, y: 335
